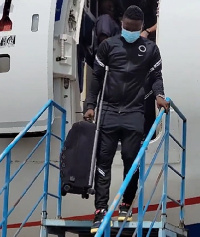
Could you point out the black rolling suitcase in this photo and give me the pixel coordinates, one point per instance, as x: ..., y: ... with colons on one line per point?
x: 78, y: 157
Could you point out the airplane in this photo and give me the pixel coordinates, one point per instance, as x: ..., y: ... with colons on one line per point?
x: 41, y: 44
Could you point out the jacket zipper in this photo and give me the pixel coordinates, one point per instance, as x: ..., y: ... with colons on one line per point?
x: 123, y: 91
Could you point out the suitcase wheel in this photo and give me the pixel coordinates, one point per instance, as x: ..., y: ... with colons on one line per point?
x: 67, y: 187
x: 85, y: 195
x: 91, y: 191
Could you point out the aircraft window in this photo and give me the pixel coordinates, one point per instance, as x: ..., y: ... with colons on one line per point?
x: 5, y: 22
x: 35, y: 23
x: 4, y: 63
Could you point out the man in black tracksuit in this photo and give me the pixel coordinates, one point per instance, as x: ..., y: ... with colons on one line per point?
x: 130, y: 59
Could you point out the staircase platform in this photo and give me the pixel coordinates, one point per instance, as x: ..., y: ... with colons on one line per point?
x: 59, y: 227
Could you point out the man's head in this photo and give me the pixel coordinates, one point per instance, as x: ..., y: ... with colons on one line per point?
x: 107, y: 7
x: 132, y: 23
x: 133, y: 19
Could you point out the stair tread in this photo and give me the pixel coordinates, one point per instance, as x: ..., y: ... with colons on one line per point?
x: 83, y: 227
x: 86, y: 224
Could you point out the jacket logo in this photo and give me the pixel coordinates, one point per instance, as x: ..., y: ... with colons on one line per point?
x: 142, y: 49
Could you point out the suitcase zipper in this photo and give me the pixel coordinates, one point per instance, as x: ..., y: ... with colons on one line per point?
x: 73, y: 178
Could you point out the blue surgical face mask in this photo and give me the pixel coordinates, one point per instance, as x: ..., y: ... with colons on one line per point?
x: 130, y: 36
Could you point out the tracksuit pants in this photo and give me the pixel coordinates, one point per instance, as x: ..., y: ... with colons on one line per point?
x: 108, y: 142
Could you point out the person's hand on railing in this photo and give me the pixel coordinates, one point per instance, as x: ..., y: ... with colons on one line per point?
x: 161, y: 102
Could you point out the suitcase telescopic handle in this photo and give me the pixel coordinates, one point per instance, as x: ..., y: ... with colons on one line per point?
x: 94, y: 151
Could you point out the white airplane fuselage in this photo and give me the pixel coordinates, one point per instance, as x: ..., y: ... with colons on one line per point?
x: 43, y: 65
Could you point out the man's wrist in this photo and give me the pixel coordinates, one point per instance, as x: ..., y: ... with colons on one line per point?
x: 160, y: 95
x: 148, y: 31
x: 90, y: 106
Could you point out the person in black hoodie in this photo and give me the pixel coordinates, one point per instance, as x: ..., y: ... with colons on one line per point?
x: 130, y: 58
x: 107, y: 25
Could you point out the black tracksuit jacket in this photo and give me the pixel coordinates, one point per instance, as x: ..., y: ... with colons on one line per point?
x: 129, y: 66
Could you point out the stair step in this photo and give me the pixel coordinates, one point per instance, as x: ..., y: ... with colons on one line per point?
x: 83, y: 227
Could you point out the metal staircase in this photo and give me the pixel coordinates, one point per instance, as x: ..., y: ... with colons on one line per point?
x: 140, y: 228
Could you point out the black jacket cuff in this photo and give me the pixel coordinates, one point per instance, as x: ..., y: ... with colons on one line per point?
x: 90, y: 106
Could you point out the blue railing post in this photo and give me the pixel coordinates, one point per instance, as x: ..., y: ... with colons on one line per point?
x: 47, y: 161
x: 141, y: 196
x: 6, y: 195
x: 107, y: 230
x: 59, y: 202
x: 166, y: 160
x: 183, y: 164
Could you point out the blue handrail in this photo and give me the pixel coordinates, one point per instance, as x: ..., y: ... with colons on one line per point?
x: 6, y: 155
x: 140, y: 161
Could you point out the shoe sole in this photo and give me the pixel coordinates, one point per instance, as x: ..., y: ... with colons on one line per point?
x: 94, y: 230
x: 122, y: 218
